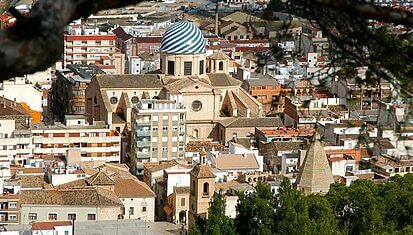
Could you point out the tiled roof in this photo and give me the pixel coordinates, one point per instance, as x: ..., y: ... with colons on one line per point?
x: 202, y: 171
x: 72, y: 197
x: 263, y: 82
x: 49, y: 225
x: 100, y: 178
x: 130, y: 188
x: 219, y: 55
x: 223, y: 79
x: 252, y: 122
x: 129, y: 81
x: 235, y: 161
x: 287, y: 145
x: 163, y: 166
x: 181, y: 190
x: 9, y: 108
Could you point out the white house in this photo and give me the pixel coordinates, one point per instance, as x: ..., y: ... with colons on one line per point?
x: 51, y: 228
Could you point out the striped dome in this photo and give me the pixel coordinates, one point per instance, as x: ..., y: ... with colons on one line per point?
x: 183, y: 37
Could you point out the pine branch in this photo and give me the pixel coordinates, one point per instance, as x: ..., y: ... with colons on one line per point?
x: 35, y: 42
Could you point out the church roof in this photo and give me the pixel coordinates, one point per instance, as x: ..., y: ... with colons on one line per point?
x: 315, y: 174
x: 202, y: 171
x: 252, y: 122
x: 177, y: 85
x: 183, y: 37
x: 222, y: 79
x: 129, y: 81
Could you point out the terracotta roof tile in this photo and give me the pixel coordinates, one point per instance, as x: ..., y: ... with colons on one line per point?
x: 130, y: 188
x: 49, y: 225
x: 202, y: 171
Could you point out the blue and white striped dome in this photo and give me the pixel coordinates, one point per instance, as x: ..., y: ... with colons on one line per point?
x: 183, y: 37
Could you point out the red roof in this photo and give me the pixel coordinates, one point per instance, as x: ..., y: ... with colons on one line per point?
x: 89, y: 37
x: 302, y: 59
x: 148, y: 40
x: 49, y: 225
x: 253, y: 49
x: 321, y: 59
x: 251, y: 41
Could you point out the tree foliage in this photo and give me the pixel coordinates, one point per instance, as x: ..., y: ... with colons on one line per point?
x: 364, y: 207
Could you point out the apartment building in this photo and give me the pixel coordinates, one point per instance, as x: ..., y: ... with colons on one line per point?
x: 95, y: 141
x: 9, y: 201
x: 158, y: 132
x: 85, y: 46
x: 68, y: 89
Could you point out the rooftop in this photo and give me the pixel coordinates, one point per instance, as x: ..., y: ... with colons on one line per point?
x: 73, y: 197
x: 131, y: 188
x: 235, y: 161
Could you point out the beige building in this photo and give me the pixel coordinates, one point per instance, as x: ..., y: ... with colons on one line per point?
x: 137, y: 198
x: 201, y: 191
x: 208, y: 97
x: 93, y: 204
x: 178, y: 205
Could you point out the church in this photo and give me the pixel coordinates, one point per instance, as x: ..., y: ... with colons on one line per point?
x: 202, y: 84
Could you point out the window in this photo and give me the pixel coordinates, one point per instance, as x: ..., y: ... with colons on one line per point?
x: 188, y: 68
x: 131, y: 211
x: 154, y: 149
x: 183, y: 201
x: 12, y: 204
x: 164, y: 128
x: 113, y: 100
x: 154, y: 128
x: 71, y: 216
x: 201, y: 67
x: 205, y: 191
x: 52, y: 216
x: 221, y: 66
x: 135, y: 100
x: 171, y: 67
x: 91, y: 216
x: 196, y: 133
x: 144, y: 209
x: 32, y: 216
x: 396, y: 170
x: 196, y: 105
x: 408, y: 169
x: 12, y: 217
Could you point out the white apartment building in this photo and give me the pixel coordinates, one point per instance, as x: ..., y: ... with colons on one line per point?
x: 95, y: 142
x: 158, y: 132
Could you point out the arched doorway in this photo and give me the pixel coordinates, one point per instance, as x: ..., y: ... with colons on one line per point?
x: 182, y: 217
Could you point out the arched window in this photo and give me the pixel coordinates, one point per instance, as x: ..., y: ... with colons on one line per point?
x: 196, y: 133
x: 205, y: 190
x: 221, y: 66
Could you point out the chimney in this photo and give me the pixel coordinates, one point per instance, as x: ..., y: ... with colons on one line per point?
x: 4, y: 102
x: 14, y: 102
x: 216, y: 19
x: 245, y: 154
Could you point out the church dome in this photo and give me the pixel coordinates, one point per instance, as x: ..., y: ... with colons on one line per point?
x: 183, y: 37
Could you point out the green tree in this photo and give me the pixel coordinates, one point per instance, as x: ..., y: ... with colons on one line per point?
x: 217, y: 222
x: 255, y: 211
